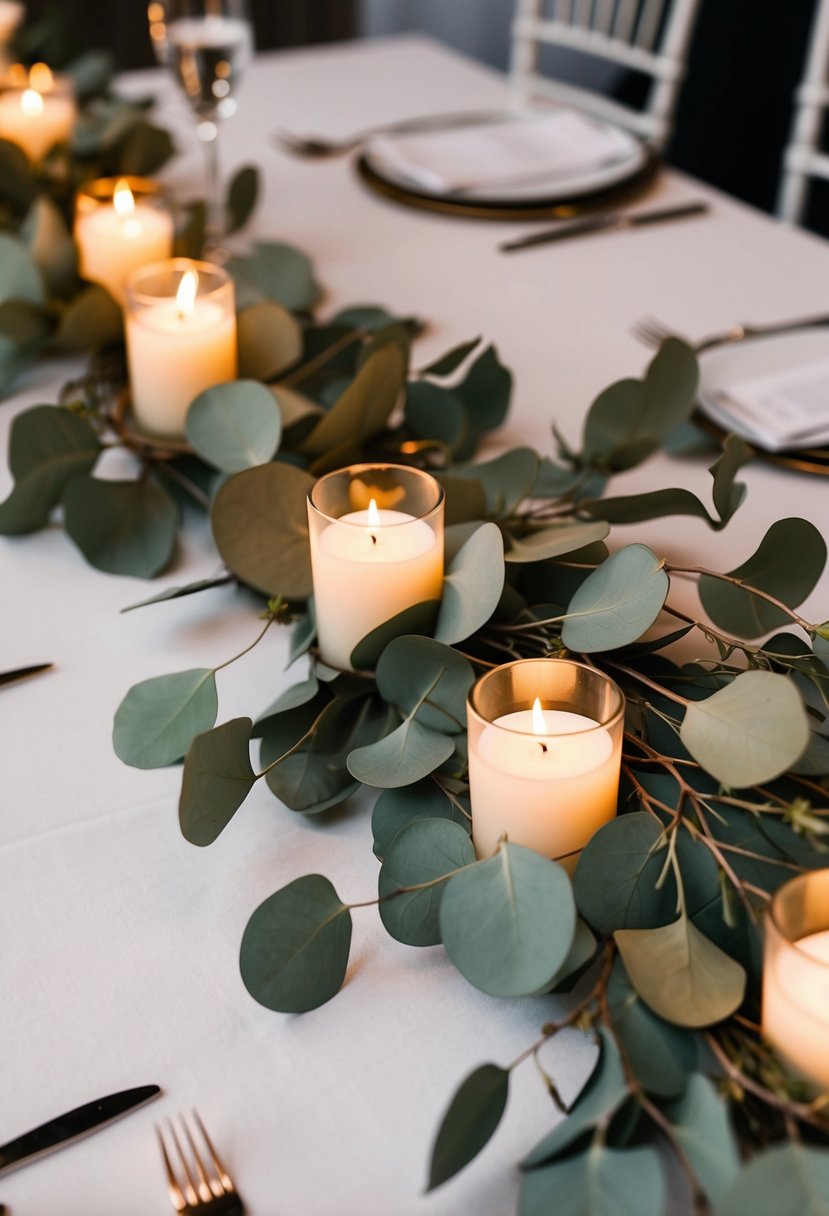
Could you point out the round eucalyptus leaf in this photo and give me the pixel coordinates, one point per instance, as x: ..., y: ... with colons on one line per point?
x: 616, y: 876
x: 91, y: 319
x: 750, y: 731
x: 417, y: 619
x: 787, y: 565
x: 242, y: 194
x: 281, y: 273
x: 406, y: 755
x: 260, y: 525
x: 661, y: 1055
x: 485, y: 392
x: 598, y: 1181
x: 680, y: 974
x: 18, y: 183
x: 364, y: 407
x: 235, y: 426
x: 617, y: 602
x: 423, y: 851
x: 508, y: 922
x: 436, y: 413
x: 294, y: 407
x: 217, y: 779
x: 789, y: 1179
x: 20, y: 278
x: 50, y: 245
x: 506, y: 479
x: 555, y: 540
x: 604, y: 1092
x: 270, y: 340
x: 123, y: 527
x: 295, y: 946
x: 472, y: 586
x: 145, y: 150
x: 48, y: 446
x: 157, y: 719
x: 700, y: 1122
x: 470, y: 1120
x: 426, y: 679
x: 395, y: 809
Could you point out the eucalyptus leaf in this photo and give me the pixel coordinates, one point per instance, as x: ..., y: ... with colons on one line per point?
x: 485, y: 392
x: 406, y: 755
x: 48, y: 446
x: 617, y: 602
x: 699, y: 1120
x: 470, y: 1120
x: 508, y: 922
x: 680, y: 974
x: 661, y: 1055
x: 242, y: 194
x: 270, y: 340
x: 616, y: 876
x: 436, y: 413
x: 91, y: 319
x: 235, y: 426
x: 158, y: 717
x: 175, y: 593
x: 426, y: 679
x: 50, y: 245
x: 654, y: 504
x: 787, y: 565
x: 281, y: 273
x: 18, y: 183
x: 122, y: 527
x: 605, y: 1091
x: 451, y: 361
x: 303, y: 633
x: 145, y: 150
x: 599, y: 1181
x: 726, y: 493
x: 20, y: 278
x: 750, y: 731
x: 465, y: 502
x: 555, y: 540
x: 294, y: 407
x: 395, y: 809
x: 260, y: 526
x: 507, y: 479
x: 295, y: 946
x: 472, y: 586
x: 417, y: 619
x: 790, y: 1179
x: 364, y: 407
x: 218, y: 776
x: 371, y: 318
x: 425, y: 850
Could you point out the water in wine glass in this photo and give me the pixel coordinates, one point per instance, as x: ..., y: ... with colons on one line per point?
x: 208, y: 55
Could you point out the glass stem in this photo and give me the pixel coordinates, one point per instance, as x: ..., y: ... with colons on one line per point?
x: 214, y: 228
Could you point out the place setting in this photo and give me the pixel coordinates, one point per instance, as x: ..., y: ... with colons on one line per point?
x: 462, y: 693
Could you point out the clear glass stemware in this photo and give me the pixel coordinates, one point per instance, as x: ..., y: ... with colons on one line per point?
x: 206, y: 44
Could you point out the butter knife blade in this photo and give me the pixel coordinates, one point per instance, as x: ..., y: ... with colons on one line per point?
x: 21, y: 673
x: 608, y: 222
x: 73, y: 1124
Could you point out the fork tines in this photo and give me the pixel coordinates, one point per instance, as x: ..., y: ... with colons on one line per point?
x: 201, y: 1183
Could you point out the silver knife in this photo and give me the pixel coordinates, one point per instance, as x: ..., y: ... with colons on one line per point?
x: 20, y: 673
x: 612, y: 221
x: 72, y: 1125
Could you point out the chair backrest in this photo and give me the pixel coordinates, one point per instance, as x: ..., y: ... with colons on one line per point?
x: 648, y: 36
x: 803, y: 158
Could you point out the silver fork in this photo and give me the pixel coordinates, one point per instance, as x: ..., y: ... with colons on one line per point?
x: 652, y: 332
x: 198, y: 1189
x: 317, y: 147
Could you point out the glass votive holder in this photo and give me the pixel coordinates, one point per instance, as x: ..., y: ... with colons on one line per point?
x: 181, y: 339
x: 37, y: 110
x: 796, y: 976
x: 376, y: 534
x: 545, y: 749
x: 121, y: 223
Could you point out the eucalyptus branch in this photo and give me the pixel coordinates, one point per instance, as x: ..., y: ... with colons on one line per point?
x: 196, y: 493
x: 744, y: 586
x: 804, y: 1112
x: 247, y: 649
x: 325, y: 356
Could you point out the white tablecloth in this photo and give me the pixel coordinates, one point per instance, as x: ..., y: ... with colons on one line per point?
x: 119, y: 940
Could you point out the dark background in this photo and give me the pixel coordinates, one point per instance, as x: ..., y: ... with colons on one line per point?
x: 735, y: 108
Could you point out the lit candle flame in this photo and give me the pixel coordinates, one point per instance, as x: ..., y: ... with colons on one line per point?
x: 186, y: 294
x: 539, y: 725
x: 123, y: 200
x: 41, y: 78
x: 31, y: 103
x: 373, y: 519
x: 18, y: 77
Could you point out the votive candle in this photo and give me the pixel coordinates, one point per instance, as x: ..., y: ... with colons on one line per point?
x: 545, y: 746
x: 120, y: 224
x: 38, y: 113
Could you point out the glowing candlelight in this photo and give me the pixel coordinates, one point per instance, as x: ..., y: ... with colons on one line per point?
x: 38, y: 112
x: 116, y: 233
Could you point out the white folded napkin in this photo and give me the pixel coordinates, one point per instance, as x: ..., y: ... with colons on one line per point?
x: 783, y: 409
x: 558, y: 145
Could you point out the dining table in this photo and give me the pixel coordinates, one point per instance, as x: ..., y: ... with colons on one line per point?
x: 119, y: 939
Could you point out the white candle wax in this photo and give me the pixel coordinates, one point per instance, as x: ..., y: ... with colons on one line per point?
x: 796, y: 1005
x: 173, y: 356
x: 550, y: 791
x: 366, y: 570
x: 36, y: 121
x: 111, y: 246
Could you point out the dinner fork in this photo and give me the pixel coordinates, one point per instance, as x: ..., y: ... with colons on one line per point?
x: 317, y: 147
x: 652, y: 332
x: 206, y: 1189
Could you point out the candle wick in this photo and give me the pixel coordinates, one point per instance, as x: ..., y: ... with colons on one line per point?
x: 373, y: 538
x: 543, y: 746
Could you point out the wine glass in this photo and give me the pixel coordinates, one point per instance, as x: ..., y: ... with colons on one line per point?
x: 206, y: 44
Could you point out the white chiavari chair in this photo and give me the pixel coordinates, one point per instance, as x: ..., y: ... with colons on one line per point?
x: 803, y: 158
